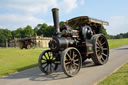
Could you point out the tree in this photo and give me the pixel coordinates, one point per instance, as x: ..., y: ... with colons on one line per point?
x: 61, y: 23
x: 104, y: 31
x: 18, y: 33
x: 41, y: 29
x: 5, y: 34
x: 28, y: 31
x: 49, y: 31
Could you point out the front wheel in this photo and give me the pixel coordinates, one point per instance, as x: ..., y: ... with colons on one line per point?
x: 47, y: 62
x: 71, y: 61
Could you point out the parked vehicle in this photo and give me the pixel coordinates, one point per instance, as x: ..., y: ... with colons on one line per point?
x: 78, y: 39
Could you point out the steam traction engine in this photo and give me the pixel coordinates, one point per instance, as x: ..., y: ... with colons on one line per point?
x: 78, y: 39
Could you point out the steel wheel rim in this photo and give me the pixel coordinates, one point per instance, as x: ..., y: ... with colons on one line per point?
x: 102, y: 49
x: 72, y: 62
x: 47, y: 62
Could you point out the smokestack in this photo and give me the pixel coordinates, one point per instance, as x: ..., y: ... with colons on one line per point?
x: 56, y: 19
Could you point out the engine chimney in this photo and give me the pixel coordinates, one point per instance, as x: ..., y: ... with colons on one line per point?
x: 56, y: 19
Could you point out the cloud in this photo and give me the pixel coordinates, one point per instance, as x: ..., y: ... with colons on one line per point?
x: 28, y: 6
x: 12, y: 21
x: 18, y: 13
x: 118, y: 24
x: 68, y: 5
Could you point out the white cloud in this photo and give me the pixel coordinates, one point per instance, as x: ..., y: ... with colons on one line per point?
x: 21, y: 12
x: 68, y: 5
x: 118, y: 24
x: 13, y: 21
x: 29, y: 6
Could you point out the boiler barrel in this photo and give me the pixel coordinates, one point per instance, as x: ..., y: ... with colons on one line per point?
x: 61, y: 43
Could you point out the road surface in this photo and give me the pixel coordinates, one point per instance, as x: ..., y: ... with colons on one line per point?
x: 88, y: 75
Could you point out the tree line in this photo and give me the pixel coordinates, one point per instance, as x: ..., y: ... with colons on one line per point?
x: 118, y: 36
x: 28, y: 31
x: 41, y: 29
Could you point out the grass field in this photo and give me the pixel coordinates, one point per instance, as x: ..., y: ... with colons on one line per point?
x: 118, y: 78
x: 117, y: 43
x: 14, y: 59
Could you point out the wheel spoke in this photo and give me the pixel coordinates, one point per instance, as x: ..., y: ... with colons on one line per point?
x: 101, y: 39
x: 103, y: 43
x: 97, y: 44
x: 52, y: 56
x: 102, y: 59
x: 73, y: 55
x: 42, y: 58
x: 45, y: 66
x: 70, y: 69
x: 69, y: 56
x: 45, y: 56
x: 105, y: 48
x: 50, y: 67
x: 49, y: 55
x: 43, y: 62
x: 104, y: 54
x: 76, y: 60
x: 75, y: 67
x: 68, y: 62
x: 76, y: 64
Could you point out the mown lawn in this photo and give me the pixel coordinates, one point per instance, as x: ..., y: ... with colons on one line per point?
x: 120, y: 77
x: 14, y: 59
x: 117, y: 43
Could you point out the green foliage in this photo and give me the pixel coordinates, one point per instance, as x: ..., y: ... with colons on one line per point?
x: 41, y: 29
x: 5, y: 34
x: 61, y: 23
x: 103, y: 30
x: 18, y: 33
x: 44, y: 29
x: 49, y: 31
x: 28, y: 31
x: 119, y: 36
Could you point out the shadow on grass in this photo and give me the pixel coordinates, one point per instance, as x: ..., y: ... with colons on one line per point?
x: 26, y: 67
x: 34, y: 74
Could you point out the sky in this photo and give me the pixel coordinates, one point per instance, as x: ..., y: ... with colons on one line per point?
x: 20, y: 13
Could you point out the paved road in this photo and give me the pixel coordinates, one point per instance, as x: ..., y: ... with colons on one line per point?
x: 88, y: 75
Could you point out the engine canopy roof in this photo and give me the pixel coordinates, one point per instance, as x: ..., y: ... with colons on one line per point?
x: 83, y: 20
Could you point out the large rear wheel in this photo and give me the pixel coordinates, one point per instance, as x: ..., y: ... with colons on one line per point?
x: 101, y: 49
